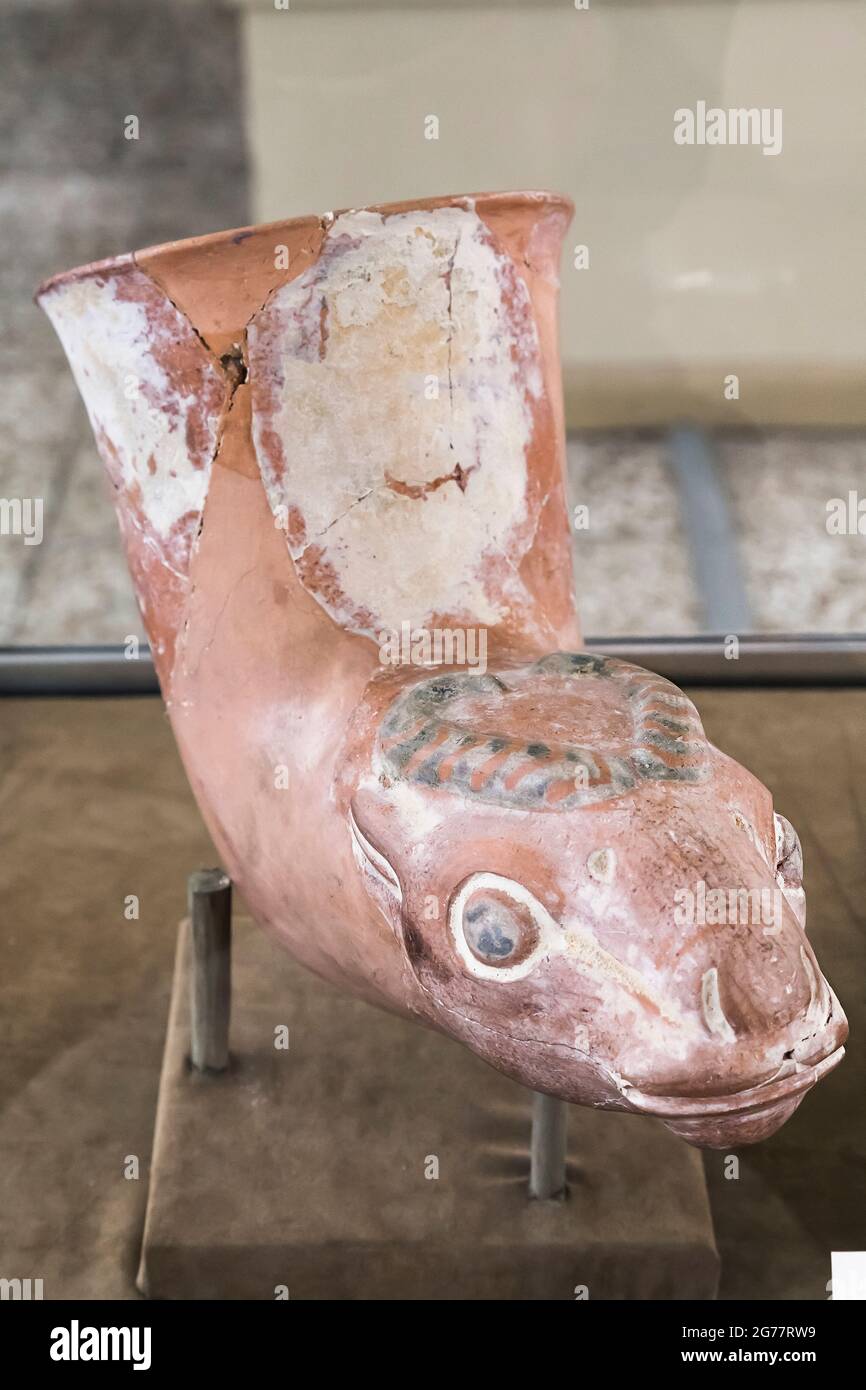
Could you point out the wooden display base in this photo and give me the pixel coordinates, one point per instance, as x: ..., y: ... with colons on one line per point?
x: 374, y: 1159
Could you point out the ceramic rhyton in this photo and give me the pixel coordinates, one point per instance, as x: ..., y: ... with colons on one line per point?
x: 330, y: 433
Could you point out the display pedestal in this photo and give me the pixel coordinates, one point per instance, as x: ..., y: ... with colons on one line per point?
x: 307, y: 1171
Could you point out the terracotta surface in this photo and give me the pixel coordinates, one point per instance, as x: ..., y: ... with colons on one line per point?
x: 331, y: 434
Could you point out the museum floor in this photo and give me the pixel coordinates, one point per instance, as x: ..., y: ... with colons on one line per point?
x: 94, y: 807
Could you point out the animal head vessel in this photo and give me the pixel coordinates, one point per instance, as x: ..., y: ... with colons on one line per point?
x: 329, y: 435
x: 593, y: 896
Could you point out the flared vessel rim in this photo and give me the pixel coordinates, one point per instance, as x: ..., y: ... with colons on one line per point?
x: 499, y: 201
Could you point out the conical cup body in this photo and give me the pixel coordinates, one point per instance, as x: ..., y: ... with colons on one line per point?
x: 326, y: 438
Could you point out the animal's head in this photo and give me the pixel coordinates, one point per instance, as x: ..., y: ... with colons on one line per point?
x: 593, y: 897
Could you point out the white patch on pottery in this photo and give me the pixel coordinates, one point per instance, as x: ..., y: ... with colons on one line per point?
x: 283, y: 736
x: 114, y: 351
x: 600, y: 965
x: 601, y: 865
x: 418, y: 815
x: 405, y: 497
x: 711, y: 1007
x: 743, y: 823
x: 796, y: 900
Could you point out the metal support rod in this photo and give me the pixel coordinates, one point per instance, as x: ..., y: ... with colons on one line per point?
x: 210, y: 916
x: 548, y: 1147
x: 710, y: 532
x: 784, y: 659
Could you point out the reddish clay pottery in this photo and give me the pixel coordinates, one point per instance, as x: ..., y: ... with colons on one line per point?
x: 336, y: 446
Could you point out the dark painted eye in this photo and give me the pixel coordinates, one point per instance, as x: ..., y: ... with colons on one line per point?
x: 497, y: 929
x: 789, y: 854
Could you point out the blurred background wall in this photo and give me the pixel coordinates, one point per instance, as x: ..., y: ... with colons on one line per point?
x: 686, y: 267
x: 702, y: 261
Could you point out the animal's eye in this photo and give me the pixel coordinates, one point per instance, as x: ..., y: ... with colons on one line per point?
x: 499, y: 929
x: 789, y: 854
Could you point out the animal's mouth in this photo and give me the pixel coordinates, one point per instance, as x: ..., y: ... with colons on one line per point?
x: 798, y: 1078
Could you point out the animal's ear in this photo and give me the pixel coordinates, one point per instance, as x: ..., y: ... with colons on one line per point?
x: 379, y: 873
x: 789, y: 854
x: 789, y: 867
